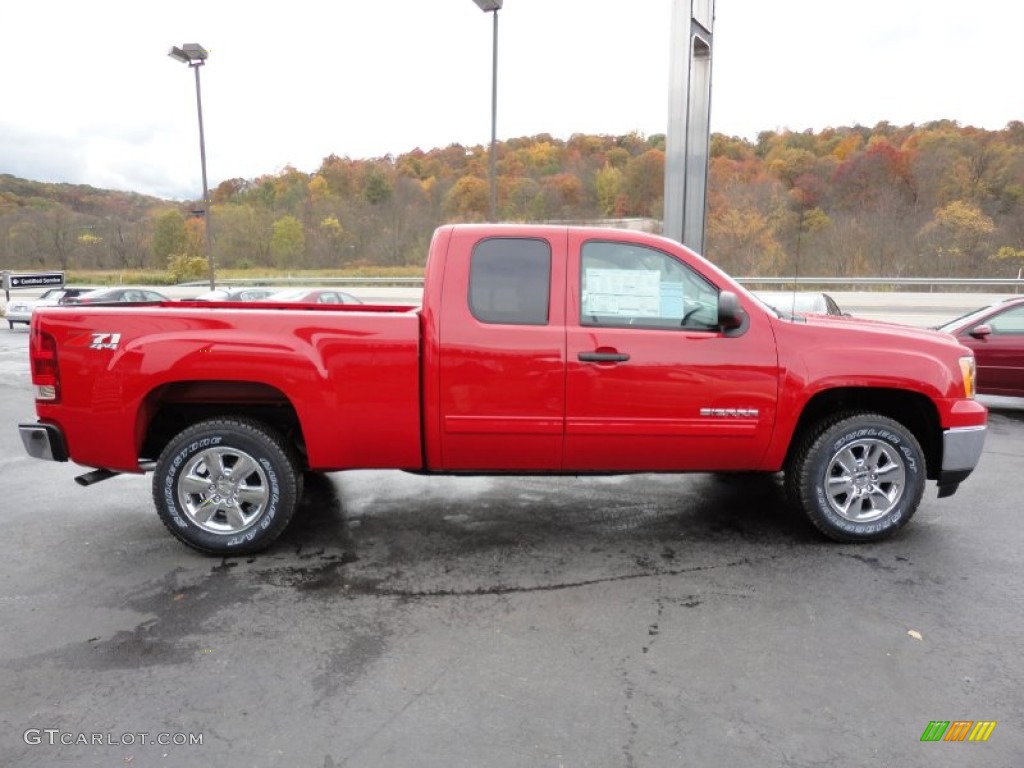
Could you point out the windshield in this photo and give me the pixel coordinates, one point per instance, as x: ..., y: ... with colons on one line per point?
x: 956, y: 322
x: 763, y: 304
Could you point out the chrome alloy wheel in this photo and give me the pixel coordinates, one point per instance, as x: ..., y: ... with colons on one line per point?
x: 223, y: 490
x: 865, y: 480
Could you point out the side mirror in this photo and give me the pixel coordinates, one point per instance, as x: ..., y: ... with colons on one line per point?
x: 731, y: 314
x: 981, y: 331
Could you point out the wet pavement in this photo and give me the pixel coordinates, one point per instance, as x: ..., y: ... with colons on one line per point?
x: 650, y: 620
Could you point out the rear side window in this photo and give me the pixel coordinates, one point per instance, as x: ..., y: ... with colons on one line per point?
x: 510, y: 281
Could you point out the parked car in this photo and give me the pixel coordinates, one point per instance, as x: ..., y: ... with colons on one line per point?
x: 995, y: 333
x: 314, y: 296
x: 236, y: 293
x: 112, y: 295
x: 20, y: 310
x: 801, y: 302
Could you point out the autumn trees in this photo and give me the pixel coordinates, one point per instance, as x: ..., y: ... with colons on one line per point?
x: 936, y: 199
x: 933, y: 200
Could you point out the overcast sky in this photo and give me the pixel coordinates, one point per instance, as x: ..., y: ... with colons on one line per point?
x: 88, y: 94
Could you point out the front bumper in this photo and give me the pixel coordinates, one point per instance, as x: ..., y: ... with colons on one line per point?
x: 961, y: 450
x: 44, y: 441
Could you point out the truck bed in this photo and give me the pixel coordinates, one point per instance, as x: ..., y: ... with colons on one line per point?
x: 332, y: 365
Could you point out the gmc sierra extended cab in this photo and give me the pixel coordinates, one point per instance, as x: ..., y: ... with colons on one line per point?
x: 537, y: 350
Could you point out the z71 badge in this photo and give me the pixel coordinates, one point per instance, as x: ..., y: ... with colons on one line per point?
x: 105, y: 340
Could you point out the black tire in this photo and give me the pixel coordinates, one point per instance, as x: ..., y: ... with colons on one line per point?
x: 877, y: 473
x: 203, y: 497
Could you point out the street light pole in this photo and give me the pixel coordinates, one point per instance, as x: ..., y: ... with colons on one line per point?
x: 492, y: 7
x: 195, y: 56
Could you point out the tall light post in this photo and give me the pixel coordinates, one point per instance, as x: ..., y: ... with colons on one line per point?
x: 195, y: 56
x: 492, y: 7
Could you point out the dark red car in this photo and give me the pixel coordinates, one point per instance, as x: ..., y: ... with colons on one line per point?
x: 996, y: 335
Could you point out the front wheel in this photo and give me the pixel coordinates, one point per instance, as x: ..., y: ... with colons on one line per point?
x: 227, y: 486
x: 857, y: 477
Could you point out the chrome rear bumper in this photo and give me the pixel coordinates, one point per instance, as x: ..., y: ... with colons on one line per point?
x: 43, y: 441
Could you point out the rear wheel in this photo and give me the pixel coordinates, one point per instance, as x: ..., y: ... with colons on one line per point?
x: 857, y: 477
x: 227, y: 486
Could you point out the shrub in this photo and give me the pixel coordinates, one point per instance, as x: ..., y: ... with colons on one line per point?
x: 183, y: 267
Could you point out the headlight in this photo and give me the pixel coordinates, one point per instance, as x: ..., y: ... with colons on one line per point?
x: 969, y: 374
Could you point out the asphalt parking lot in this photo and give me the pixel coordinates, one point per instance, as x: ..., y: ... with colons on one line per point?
x: 406, y: 621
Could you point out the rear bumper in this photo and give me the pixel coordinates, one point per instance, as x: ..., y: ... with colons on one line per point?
x: 961, y: 450
x: 43, y: 441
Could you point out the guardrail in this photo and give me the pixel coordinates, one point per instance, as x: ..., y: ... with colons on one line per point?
x: 413, y: 281
x: 863, y: 282
x: 894, y: 282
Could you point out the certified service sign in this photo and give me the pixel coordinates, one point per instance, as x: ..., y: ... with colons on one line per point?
x: 13, y: 280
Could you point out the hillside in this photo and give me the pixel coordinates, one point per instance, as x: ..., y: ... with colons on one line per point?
x: 937, y: 199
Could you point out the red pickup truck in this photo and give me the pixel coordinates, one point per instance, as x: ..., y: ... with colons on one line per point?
x: 537, y: 350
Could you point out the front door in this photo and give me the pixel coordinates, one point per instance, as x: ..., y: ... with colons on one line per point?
x: 652, y: 383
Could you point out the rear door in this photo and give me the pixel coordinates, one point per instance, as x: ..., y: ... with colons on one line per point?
x: 651, y: 381
x: 501, y: 362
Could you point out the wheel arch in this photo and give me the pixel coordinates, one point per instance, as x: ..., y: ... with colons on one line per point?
x: 172, y: 407
x: 913, y: 410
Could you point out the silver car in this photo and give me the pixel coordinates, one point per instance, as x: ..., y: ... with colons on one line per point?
x: 20, y: 310
x: 801, y: 302
x: 236, y: 294
x: 314, y: 296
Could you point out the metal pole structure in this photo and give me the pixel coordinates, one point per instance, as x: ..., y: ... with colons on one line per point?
x: 195, y: 56
x: 492, y: 7
x: 494, y: 122
x: 689, y: 122
x: 206, y: 192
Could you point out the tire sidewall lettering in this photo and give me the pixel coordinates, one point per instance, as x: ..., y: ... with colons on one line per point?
x: 881, y: 434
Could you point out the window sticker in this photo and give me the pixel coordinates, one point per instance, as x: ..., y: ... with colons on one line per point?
x: 672, y: 304
x: 630, y: 292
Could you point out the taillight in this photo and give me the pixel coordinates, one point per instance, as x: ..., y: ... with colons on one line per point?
x: 45, y: 373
